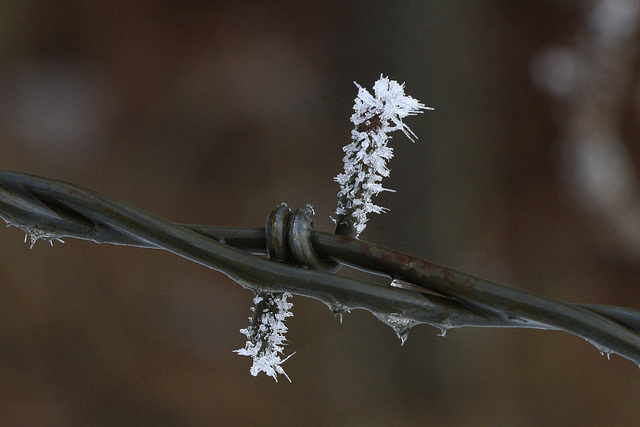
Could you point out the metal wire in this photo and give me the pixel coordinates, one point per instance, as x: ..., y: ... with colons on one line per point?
x: 51, y: 209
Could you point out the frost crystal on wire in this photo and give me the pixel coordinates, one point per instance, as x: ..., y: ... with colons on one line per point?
x: 265, y: 334
x: 34, y: 233
x: 365, y: 162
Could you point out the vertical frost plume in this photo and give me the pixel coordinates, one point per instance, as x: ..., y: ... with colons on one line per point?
x: 265, y: 334
x: 365, y: 163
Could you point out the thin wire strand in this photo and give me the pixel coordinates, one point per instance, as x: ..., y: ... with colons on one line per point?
x: 51, y: 209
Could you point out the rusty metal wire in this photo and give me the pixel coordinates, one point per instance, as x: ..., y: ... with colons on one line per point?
x: 420, y: 292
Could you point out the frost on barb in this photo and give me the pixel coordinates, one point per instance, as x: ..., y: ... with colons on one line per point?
x: 34, y: 233
x: 265, y: 334
x: 365, y: 162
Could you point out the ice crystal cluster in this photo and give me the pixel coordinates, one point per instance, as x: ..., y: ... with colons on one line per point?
x: 34, y: 233
x: 265, y: 334
x: 365, y: 163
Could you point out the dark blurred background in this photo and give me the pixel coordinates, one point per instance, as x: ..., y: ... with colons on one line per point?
x: 214, y: 112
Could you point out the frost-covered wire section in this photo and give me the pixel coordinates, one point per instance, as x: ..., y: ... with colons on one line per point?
x: 426, y: 293
x: 365, y: 163
x: 265, y: 334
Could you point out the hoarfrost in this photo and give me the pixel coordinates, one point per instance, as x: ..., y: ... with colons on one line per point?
x: 365, y: 162
x: 604, y: 351
x: 338, y: 309
x: 443, y: 330
x: 34, y: 233
x: 400, y: 324
x: 265, y: 334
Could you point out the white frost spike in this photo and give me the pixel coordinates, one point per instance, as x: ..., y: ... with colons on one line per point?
x: 338, y: 309
x: 35, y: 234
x: 365, y: 162
x: 265, y: 334
x: 400, y: 324
x: 603, y: 350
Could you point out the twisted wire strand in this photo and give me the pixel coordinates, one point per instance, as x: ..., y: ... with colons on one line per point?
x: 60, y: 209
x: 52, y: 209
x: 288, y: 237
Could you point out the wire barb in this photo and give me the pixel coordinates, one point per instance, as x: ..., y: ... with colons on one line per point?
x: 288, y: 235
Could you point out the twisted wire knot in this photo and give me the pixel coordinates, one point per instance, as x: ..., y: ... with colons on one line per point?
x: 288, y: 235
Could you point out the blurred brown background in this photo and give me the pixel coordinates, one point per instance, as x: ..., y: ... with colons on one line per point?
x: 214, y: 112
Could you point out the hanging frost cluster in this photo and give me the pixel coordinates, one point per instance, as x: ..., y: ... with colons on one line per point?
x: 365, y: 162
x: 265, y: 334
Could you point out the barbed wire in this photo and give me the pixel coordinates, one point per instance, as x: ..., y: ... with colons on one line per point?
x: 303, y: 261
